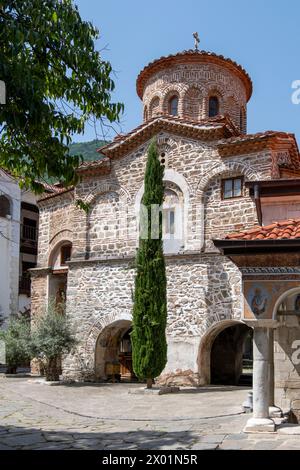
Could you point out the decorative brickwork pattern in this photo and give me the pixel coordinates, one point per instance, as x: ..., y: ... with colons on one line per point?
x: 194, y: 84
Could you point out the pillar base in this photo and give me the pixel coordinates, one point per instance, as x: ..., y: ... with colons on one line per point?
x: 275, y: 412
x: 259, y: 425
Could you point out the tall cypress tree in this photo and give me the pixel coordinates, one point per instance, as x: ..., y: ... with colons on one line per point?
x: 149, y: 345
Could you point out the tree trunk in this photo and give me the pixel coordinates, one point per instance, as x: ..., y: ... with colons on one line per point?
x: 52, y: 371
x: 149, y: 383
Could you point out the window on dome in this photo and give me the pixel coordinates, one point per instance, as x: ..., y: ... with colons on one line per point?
x: 173, y: 106
x: 213, y: 108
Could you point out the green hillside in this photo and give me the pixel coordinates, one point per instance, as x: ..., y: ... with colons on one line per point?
x: 88, y: 150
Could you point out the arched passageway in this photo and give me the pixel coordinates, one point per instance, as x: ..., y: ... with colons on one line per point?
x: 225, y: 354
x: 231, y: 356
x: 113, y: 356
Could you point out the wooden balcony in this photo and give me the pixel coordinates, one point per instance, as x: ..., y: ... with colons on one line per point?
x: 29, y: 236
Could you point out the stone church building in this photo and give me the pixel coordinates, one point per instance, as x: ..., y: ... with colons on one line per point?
x: 223, y: 281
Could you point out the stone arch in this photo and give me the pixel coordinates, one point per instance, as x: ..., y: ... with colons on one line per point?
x: 170, y: 92
x: 64, y: 236
x: 98, y: 327
x: 100, y: 190
x: 170, y: 176
x: 108, y: 349
x: 155, y: 107
x: 219, y: 93
x: 205, y: 347
x: 193, y: 103
x: 223, y: 169
x: 173, y: 177
x: 282, y: 297
x: 105, y: 188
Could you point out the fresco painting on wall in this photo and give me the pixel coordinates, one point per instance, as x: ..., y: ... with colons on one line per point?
x: 260, y: 297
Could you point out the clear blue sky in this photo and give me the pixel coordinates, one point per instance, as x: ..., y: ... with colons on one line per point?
x: 262, y: 35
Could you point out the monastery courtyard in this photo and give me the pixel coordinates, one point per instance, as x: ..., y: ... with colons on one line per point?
x: 105, y: 416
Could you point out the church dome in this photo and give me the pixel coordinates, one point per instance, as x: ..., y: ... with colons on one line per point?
x: 195, y: 85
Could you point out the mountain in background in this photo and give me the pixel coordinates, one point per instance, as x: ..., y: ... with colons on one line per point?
x: 88, y: 150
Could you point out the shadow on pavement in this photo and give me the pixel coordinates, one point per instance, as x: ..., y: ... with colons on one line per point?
x: 19, y: 438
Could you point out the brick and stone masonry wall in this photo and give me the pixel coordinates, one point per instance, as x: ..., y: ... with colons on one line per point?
x: 202, y: 288
x: 287, y: 382
x: 56, y: 222
x: 194, y: 84
x: 195, y: 167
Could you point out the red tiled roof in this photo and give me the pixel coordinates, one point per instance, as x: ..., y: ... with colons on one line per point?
x: 257, y: 136
x: 284, y: 229
x: 94, y: 166
x: 215, y: 128
x: 53, y: 188
x: 241, y: 144
x: 58, y: 192
x: 191, y: 55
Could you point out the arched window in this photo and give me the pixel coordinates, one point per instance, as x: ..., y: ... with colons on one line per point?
x: 4, y: 206
x: 213, y: 106
x: 173, y: 106
x: 154, y: 107
x: 172, y: 219
x: 65, y: 254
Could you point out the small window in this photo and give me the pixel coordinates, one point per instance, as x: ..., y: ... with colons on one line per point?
x: 232, y: 187
x: 65, y: 254
x: 173, y: 106
x: 213, y: 108
x: 169, y: 222
x: 4, y: 206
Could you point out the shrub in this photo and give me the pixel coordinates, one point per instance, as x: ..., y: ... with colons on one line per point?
x: 53, y: 337
x: 17, y: 340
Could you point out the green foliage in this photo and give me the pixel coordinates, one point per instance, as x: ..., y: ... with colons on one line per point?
x: 88, y: 150
x: 53, y: 336
x: 55, y: 82
x: 17, y: 341
x: 85, y: 206
x: 150, y: 304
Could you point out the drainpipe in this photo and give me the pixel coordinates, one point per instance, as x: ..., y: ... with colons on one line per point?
x: 258, y: 203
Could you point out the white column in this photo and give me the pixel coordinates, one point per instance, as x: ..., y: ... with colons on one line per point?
x: 261, y: 421
x: 274, y: 411
x: 271, y: 368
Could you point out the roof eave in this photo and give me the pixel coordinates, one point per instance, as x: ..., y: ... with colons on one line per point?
x: 210, y: 130
x: 235, y: 246
x: 192, y: 56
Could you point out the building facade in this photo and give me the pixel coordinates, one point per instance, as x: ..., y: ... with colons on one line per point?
x: 18, y: 245
x: 195, y: 106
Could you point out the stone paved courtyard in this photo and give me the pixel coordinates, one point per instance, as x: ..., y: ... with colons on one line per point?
x: 106, y: 416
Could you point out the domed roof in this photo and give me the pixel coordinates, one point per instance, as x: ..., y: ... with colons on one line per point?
x: 192, y: 56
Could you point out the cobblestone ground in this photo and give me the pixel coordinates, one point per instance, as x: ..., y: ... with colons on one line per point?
x: 105, y: 416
